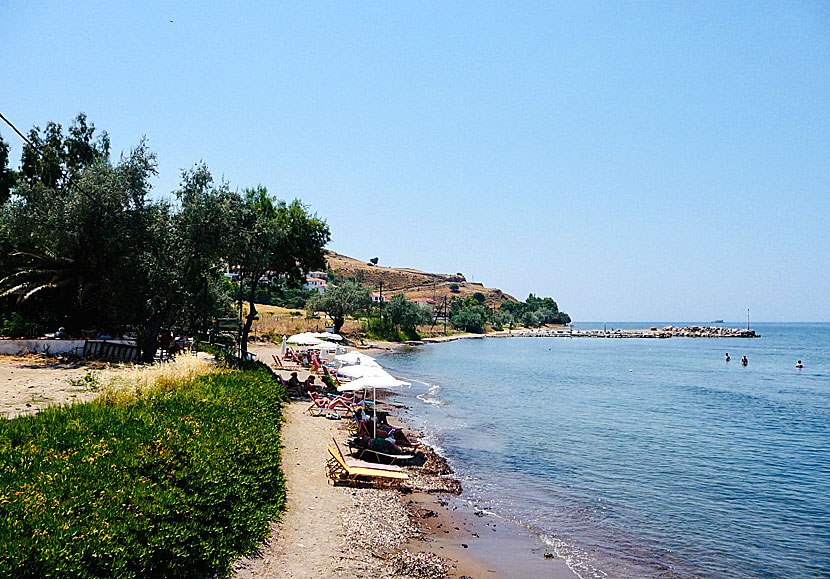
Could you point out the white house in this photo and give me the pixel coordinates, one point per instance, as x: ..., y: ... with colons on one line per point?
x: 316, y: 280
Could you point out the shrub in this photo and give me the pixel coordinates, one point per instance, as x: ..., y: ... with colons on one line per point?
x: 16, y: 327
x: 178, y: 482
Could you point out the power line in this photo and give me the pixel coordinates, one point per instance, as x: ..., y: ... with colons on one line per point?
x: 39, y: 153
x: 22, y: 136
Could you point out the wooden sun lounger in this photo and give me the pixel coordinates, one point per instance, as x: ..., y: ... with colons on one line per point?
x: 283, y: 366
x: 359, y: 452
x: 338, y: 469
x: 362, y: 463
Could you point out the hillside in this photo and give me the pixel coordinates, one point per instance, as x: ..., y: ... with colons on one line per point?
x: 411, y: 282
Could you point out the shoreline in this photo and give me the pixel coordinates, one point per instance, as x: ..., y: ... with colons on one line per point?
x: 444, y: 535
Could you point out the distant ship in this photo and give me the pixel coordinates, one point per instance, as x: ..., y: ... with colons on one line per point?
x: 717, y: 321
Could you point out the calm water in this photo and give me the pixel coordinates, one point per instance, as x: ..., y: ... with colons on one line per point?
x: 642, y: 458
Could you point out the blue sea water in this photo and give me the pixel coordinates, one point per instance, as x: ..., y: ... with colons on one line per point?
x: 642, y: 457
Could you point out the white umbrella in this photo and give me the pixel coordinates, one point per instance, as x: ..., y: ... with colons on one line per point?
x: 355, y: 357
x: 382, y: 379
x: 304, y: 340
x: 327, y: 346
x: 361, y: 370
x: 282, y: 347
x: 328, y: 336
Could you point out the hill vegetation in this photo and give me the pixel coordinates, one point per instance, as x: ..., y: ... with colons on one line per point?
x: 412, y: 282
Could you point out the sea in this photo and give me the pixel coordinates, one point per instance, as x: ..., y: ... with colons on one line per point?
x: 641, y: 458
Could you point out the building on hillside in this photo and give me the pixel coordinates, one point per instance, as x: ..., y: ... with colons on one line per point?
x: 377, y: 298
x: 316, y: 280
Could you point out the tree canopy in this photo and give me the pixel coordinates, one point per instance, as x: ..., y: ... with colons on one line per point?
x: 346, y: 299
x: 84, y: 246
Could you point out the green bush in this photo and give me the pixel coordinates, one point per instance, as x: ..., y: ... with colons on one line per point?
x: 177, y: 483
x: 16, y: 327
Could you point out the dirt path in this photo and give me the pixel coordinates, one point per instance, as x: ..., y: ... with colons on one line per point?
x: 308, y: 540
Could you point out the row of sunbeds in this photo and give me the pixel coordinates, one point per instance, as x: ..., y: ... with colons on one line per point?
x: 344, y: 469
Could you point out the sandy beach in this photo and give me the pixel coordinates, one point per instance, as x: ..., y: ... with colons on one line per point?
x: 381, y: 533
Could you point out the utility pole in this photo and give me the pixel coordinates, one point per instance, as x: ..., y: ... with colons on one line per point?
x: 747, y: 318
x: 380, y: 302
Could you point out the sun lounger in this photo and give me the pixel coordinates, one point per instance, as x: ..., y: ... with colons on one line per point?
x: 359, y: 451
x: 283, y: 366
x: 363, y: 463
x: 323, y: 405
x: 338, y: 469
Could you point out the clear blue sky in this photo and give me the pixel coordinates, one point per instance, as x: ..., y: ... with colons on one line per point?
x: 635, y: 161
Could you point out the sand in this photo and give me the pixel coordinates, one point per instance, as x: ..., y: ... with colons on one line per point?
x: 29, y: 384
x: 316, y: 536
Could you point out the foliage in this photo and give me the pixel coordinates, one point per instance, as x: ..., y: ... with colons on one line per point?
x: 62, y: 156
x: 454, y: 287
x: 479, y: 297
x: 203, y: 225
x: 468, y: 315
x: 398, y: 319
x: 95, y: 247
x: 347, y: 299
x: 177, y: 482
x: 275, y: 293
x: 535, y: 312
x: 8, y: 178
x: 83, y: 246
x: 275, y: 238
x: 16, y: 327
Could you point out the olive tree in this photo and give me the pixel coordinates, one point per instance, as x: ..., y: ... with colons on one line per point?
x: 347, y: 299
x: 273, y: 238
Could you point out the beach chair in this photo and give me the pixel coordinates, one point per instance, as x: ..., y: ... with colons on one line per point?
x: 323, y: 405
x: 362, y: 463
x: 283, y: 366
x: 356, y: 450
x: 351, y: 472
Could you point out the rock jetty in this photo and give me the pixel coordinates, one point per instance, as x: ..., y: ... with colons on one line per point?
x: 709, y: 332
x: 654, y: 332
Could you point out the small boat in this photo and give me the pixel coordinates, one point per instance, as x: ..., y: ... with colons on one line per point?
x: 717, y: 321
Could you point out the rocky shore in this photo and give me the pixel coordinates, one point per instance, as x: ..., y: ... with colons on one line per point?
x: 654, y: 332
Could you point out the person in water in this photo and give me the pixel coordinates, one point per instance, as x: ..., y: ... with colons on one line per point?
x: 727, y: 357
x: 799, y: 365
x: 744, y: 361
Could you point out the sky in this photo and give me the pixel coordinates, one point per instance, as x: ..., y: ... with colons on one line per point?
x: 636, y: 161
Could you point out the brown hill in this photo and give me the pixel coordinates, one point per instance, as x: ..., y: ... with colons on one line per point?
x: 411, y: 282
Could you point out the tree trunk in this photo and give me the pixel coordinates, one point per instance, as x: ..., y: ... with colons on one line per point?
x: 147, y: 340
x: 249, y: 320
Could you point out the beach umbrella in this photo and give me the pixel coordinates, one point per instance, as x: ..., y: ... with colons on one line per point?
x: 304, y: 340
x: 355, y: 357
x: 382, y: 379
x: 361, y: 370
x: 328, y: 336
x: 327, y: 346
x: 282, y: 347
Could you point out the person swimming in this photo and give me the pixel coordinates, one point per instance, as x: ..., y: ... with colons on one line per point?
x: 744, y: 361
x: 799, y: 365
x: 727, y: 357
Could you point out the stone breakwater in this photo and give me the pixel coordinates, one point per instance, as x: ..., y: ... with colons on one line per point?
x: 665, y: 332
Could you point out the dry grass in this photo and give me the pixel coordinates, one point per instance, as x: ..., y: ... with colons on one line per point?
x: 275, y: 322
x: 125, y: 383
